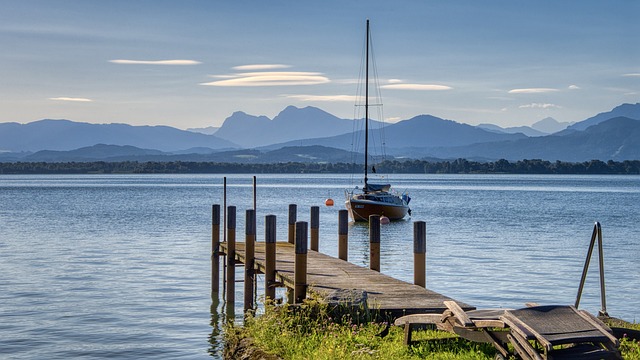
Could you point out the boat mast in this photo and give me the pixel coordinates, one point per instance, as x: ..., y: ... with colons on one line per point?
x: 366, y: 114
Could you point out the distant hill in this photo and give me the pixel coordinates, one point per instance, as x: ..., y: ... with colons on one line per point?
x: 91, y: 153
x: 115, y: 153
x: 209, y: 130
x: 543, y: 127
x: 614, y: 139
x: 550, y: 125
x: 310, y: 134
x: 512, y: 130
x: 290, y: 124
x: 631, y: 111
x: 69, y: 135
x: 420, y: 131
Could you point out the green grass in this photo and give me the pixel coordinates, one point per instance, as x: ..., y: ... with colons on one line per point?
x: 629, y: 348
x: 309, y: 331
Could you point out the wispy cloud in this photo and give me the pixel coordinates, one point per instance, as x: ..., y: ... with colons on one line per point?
x: 271, y: 78
x: 574, y: 87
x: 328, y: 98
x: 397, y: 84
x: 539, y: 106
x: 631, y: 75
x: 532, y: 91
x: 155, y: 62
x: 75, y: 99
x: 255, y: 67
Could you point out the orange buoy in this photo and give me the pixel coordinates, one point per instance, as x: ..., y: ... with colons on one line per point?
x: 384, y: 220
x: 328, y: 202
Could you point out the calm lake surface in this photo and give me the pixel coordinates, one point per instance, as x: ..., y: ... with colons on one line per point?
x: 95, y: 266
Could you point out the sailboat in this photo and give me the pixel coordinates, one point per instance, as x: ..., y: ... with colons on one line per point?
x: 374, y: 199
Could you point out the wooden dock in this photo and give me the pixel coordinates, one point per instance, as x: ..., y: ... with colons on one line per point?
x: 297, y: 265
x: 385, y: 294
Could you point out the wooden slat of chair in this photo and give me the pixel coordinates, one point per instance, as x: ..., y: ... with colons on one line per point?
x: 523, y: 347
x: 418, y: 319
x: 460, y: 315
x: 525, y: 331
x: 557, y: 325
x: 599, y: 325
x: 411, y: 321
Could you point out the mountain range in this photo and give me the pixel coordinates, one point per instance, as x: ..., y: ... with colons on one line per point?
x: 312, y: 135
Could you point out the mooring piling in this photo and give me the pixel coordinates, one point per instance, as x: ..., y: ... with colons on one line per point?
x: 215, y: 250
x: 270, y: 257
x: 419, y: 253
x: 231, y: 258
x: 300, y: 272
x: 293, y: 215
x: 224, y: 207
x: 343, y: 235
x: 374, y: 242
x: 249, y: 262
x: 315, y: 228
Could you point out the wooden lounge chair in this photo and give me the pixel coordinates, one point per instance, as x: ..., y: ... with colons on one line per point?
x: 535, y: 332
x: 474, y: 325
x: 482, y: 325
x: 559, y: 332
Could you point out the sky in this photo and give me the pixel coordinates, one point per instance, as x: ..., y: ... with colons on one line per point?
x: 193, y: 63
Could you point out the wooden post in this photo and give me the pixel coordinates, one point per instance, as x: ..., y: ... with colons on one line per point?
x: 249, y: 273
x: 231, y: 258
x: 215, y: 249
x: 419, y: 251
x: 300, y: 268
x: 343, y: 235
x: 224, y: 206
x: 315, y: 227
x: 293, y: 214
x: 254, y: 193
x: 374, y: 242
x: 270, y: 257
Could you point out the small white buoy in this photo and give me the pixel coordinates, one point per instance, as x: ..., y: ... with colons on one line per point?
x: 384, y: 220
x: 328, y: 202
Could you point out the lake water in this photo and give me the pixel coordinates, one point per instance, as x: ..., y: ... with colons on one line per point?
x: 118, y: 266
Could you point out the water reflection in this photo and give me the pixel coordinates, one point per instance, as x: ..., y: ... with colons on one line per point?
x: 216, y: 346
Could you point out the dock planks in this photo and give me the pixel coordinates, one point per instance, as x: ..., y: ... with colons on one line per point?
x: 325, y: 273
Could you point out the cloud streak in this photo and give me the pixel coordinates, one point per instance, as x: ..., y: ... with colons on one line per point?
x: 539, y: 106
x: 155, y: 62
x: 72, y: 99
x: 532, y: 91
x: 255, y: 67
x: 271, y: 78
x: 397, y: 84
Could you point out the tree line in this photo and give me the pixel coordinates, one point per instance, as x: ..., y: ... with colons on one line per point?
x: 458, y: 166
